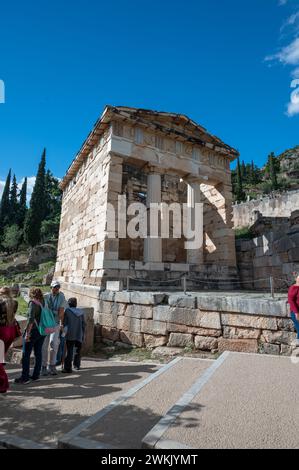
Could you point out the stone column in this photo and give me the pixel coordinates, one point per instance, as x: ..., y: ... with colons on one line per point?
x: 194, y: 195
x: 153, y: 246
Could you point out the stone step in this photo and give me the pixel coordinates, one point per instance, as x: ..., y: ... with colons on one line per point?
x: 123, y: 424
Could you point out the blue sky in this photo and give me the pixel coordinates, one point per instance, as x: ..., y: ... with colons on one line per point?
x: 227, y: 64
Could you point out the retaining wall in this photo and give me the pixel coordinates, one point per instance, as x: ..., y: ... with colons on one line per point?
x: 203, y: 321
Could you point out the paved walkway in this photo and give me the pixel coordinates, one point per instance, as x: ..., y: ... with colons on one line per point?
x: 251, y: 401
x: 238, y: 401
x: 44, y: 411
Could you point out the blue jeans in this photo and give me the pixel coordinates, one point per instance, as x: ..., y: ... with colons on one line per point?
x: 60, y: 352
x: 296, y: 323
x: 35, y: 343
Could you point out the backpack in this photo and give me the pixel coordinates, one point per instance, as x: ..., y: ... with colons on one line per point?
x: 47, y: 324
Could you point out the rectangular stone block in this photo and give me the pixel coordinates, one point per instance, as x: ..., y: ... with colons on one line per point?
x: 123, y: 297
x: 146, y: 298
x: 152, y: 342
x: 154, y: 327
x: 132, y: 338
x: 205, y: 343
x: 174, y: 328
x: 278, y: 337
x: 176, y: 300
x: 139, y: 311
x: 240, y: 333
x: 180, y: 340
x: 115, y: 286
x: 129, y: 324
x: 238, y: 345
x: 107, y: 296
x: 109, y: 320
x: 268, y: 348
x: 187, y: 316
x: 248, y: 321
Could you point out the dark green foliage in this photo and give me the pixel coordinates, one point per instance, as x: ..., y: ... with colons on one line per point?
x: 53, y: 196
x: 12, y: 238
x: 13, y: 202
x: 5, y: 204
x: 273, y: 168
x: 240, y: 195
x: 37, y: 210
x: 22, y: 209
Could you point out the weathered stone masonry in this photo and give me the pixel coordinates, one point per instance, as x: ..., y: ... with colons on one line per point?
x: 201, y: 321
x: 152, y: 157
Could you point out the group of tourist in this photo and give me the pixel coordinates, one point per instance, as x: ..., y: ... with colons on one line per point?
x: 61, y: 347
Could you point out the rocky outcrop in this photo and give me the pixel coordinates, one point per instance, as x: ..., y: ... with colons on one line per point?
x: 42, y: 254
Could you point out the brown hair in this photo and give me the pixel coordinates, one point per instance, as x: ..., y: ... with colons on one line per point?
x: 10, y: 304
x: 37, y: 294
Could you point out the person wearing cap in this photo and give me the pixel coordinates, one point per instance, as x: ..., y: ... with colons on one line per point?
x: 56, y: 302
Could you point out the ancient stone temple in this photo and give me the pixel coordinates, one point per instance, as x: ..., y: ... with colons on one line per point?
x: 149, y: 157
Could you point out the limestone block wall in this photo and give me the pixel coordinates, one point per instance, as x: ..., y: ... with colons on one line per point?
x: 274, y: 251
x: 279, y: 206
x: 273, y: 254
x: 83, y: 218
x: 219, y: 238
x: 198, y: 321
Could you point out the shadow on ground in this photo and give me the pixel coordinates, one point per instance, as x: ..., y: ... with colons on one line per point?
x: 45, y: 410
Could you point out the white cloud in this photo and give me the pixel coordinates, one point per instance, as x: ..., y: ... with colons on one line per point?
x: 288, y: 55
x: 2, y: 184
x: 292, y: 22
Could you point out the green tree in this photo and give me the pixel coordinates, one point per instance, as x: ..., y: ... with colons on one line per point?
x: 53, y: 195
x: 12, y: 238
x: 22, y: 209
x: 5, y: 204
x: 240, y: 195
x: 37, y: 210
x: 273, y: 169
x: 13, y: 201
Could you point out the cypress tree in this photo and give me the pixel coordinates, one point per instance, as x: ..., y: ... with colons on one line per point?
x: 36, y: 212
x: 5, y: 204
x: 243, y: 170
x: 253, y: 173
x: 13, y: 201
x: 22, y: 205
x: 240, y: 195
